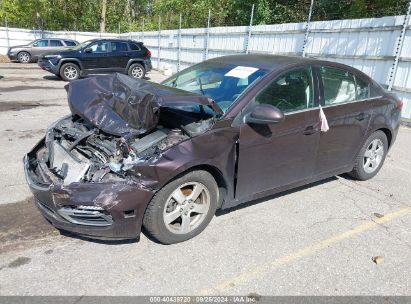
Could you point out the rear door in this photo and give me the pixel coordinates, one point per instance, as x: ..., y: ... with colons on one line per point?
x: 348, y: 111
x: 276, y: 155
x: 119, y: 55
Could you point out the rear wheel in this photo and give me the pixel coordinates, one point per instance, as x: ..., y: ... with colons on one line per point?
x: 69, y: 72
x: 182, y: 209
x: 24, y: 57
x: 136, y: 70
x: 371, y: 157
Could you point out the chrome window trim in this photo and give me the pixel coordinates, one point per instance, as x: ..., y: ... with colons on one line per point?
x: 348, y: 102
x: 303, y: 110
x: 332, y: 105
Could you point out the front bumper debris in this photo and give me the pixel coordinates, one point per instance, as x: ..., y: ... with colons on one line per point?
x: 97, y: 210
x: 12, y: 56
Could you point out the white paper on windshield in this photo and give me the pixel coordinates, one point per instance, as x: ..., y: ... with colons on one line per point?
x: 241, y: 72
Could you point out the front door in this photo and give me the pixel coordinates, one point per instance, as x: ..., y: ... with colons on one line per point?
x: 40, y: 47
x: 348, y: 113
x: 94, y: 56
x: 276, y: 155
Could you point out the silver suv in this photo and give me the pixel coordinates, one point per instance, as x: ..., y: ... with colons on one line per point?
x: 31, y: 52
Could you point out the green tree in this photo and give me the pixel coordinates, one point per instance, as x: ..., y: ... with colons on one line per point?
x: 131, y: 14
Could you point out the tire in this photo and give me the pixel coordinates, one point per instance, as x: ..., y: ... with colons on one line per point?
x: 371, y: 157
x: 24, y: 57
x: 136, y: 70
x: 69, y: 71
x: 171, y: 207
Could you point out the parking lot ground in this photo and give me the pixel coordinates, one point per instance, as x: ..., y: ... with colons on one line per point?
x: 334, y: 237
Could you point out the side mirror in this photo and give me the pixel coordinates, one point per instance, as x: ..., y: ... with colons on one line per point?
x: 88, y: 50
x: 264, y: 114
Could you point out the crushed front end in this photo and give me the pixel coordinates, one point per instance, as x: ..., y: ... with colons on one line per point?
x: 96, y: 170
x: 74, y: 187
x: 85, y: 181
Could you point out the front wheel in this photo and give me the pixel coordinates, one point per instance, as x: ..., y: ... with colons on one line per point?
x: 182, y: 209
x: 69, y: 72
x: 136, y: 70
x: 371, y: 156
x: 24, y: 57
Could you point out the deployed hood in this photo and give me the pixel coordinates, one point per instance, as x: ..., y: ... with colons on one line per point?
x: 120, y: 105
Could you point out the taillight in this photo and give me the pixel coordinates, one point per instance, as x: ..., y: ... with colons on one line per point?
x: 148, y: 53
x: 399, y: 104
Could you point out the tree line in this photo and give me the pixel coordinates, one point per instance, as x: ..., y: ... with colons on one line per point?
x: 138, y: 15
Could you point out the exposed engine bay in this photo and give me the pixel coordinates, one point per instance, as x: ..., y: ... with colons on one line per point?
x: 77, y: 151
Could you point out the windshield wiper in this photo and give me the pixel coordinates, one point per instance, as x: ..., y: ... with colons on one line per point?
x: 174, y: 82
x: 201, y: 86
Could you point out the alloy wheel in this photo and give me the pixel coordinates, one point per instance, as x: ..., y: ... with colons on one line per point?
x: 70, y: 72
x: 137, y: 72
x: 186, y: 208
x: 373, y: 155
x: 24, y: 57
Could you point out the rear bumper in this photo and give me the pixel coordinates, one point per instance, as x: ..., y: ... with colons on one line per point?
x: 147, y: 64
x: 95, y: 210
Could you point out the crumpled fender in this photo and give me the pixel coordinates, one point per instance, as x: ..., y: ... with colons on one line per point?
x: 216, y: 148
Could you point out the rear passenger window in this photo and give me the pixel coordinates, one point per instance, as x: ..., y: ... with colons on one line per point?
x: 290, y: 92
x: 55, y: 43
x: 70, y: 43
x: 363, y: 88
x: 119, y: 47
x: 134, y: 47
x: 339, y: 86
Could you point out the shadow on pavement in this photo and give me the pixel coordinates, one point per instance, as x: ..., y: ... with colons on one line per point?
x: 52, y: 77
x: 274, y: 196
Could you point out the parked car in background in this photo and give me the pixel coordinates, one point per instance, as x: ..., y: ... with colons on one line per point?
x: 99, y: 56
x: 30, y: 52
x: 220, y: 133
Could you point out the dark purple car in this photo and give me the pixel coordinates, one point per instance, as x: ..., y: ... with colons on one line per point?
x: 225, y: 131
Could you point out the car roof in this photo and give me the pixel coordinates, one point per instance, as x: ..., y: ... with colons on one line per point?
x: 273, y: 62
x: 51, y: 38
x: 115, y: 39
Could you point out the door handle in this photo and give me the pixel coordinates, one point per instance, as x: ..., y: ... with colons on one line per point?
x: 309, y: 130
x: 360, y: 116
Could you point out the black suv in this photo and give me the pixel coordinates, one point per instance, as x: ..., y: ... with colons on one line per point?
x: 99, y: 56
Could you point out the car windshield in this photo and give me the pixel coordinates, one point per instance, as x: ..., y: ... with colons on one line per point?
x: 81, y: 45
x: 222, y: 82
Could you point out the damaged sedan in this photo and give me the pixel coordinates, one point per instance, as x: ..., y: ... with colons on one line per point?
x: 232, y: 129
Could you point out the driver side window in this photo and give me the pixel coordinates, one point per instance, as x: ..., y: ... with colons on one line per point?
x: 292, y: 91
x: 41, y: 43
x: 99, y: 47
